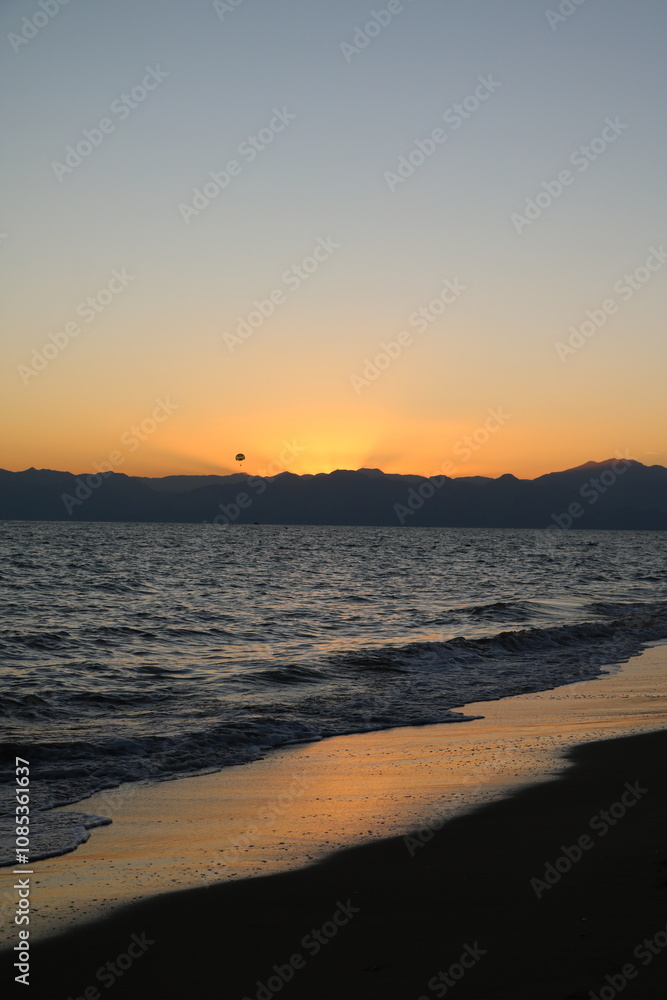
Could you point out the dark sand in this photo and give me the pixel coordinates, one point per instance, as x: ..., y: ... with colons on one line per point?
x: 468, y: 885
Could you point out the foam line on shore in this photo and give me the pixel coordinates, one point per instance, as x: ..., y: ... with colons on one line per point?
x: 302, y: 803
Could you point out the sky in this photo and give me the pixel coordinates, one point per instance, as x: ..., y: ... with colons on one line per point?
x: 332, y: 235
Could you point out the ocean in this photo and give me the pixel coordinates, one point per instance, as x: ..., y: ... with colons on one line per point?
x: 152, y: 651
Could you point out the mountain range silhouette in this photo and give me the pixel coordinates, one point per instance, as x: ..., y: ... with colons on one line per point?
x: 614, y: 494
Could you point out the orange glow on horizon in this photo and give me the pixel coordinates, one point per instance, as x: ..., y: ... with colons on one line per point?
x: 185, y: 425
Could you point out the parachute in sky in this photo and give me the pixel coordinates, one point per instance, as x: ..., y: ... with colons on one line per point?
x: 240, y: 457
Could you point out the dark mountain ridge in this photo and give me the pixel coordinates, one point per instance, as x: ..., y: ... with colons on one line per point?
x: 614, y: 494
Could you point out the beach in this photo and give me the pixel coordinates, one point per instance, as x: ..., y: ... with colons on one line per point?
x: 407, y: 847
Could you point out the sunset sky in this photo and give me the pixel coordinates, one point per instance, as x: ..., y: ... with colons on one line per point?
x: 316, y: 212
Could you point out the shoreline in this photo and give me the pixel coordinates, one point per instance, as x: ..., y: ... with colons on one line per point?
x: 300, y: 804
x: 553, y: 892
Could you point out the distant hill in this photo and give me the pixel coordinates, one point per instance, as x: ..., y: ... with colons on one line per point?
x: 618, y: 494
